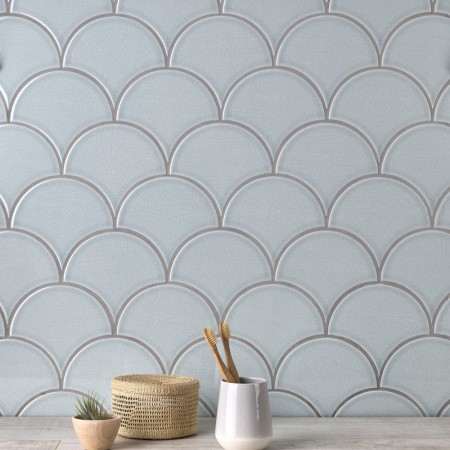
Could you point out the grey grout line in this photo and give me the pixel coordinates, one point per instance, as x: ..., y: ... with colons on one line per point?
x: 221, y: 14
x: 249, y: 181
x: 379, y: 389
x: 413, y: 296
x: 297, y: 130
x: 182, y: 352
x: 402, y: 238
x: 399, y: 133
x: 42, y: 241
x: 355, y: 74
x: 40, y: 349
x: 106, y: 15
x: 36, y: 183
x: 362, y: 178
x: 325, y: 336
x: 443, y: 408
x: 40, y: 24
x: 139, y: 76
x: 259, y: 284
x: 41, y: 134
x: 36, y: 75
x: 326, y: 14
x: 291, y: 70
x: 184, y: 136
x: 439, y: 203
x: 29, y: 401
x: 405, y: 21
x: 397, y: 348
x: 299, y: 397
x: 438, y: 311
x: 206, y: 406
x: 227, y: 229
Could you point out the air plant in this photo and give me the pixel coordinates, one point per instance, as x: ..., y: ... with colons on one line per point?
x: 89, y: 407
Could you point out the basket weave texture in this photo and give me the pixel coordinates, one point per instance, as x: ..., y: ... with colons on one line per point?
x: 156, y: 406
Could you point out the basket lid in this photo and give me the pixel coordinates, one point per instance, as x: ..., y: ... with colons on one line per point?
x: 155, y: 384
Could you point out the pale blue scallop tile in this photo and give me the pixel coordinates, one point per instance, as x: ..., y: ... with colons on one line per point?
x: 325, y: 371
x: 114, y: 50
x: 321, y: 42
x: 443, y: 213
x: 442, y: 325
x: 252, y: 315
x: 421, y: 48
x: 52, y: 404
x: 273, y: 102
x: 379, y: 211
x: 180, y: 208
x: 283, y: 404
x: 443, y: 106
x: 446, y: 410
x: 421, y: 156
x: 94, y: 366
x: 220, y: 263
x: 60, y: 319
x: 167, y: 103
x: 379, y: 404
x: 378, y: 318
x: 61, y: 104
x: 25, y: 157
x: 327, y: 156
x: 214, y: 49
x: 175, y: 312
x: 115, y: 157
x: 61, y: 16
x: 382, y: 16
x: 273, y: 210
x: 326, y: 264
x: 198, y: 361
x: 62, y: 211
x: 421, y: 263
x: 380, y: 103
x: 3, y: 218
x: 114, y: 265
x: 220, y: 156
x: 167, y: 17
x: 27, y: 373
x: 24, y: 265
x: 420, y: 369
x: 273, y: 18
x: 26, y: 49
x: 443, y: 6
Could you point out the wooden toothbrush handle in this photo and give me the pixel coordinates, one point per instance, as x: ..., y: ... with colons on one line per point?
x: 230, y: 362
x: 226, y: 375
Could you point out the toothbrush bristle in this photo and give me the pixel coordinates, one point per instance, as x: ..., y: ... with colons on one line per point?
x: 210, y: 336
x: 225, y: 330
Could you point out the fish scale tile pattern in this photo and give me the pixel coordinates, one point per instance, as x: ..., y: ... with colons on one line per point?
x: 280, y: 165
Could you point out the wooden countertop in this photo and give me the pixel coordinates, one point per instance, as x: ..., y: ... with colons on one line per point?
x: 56, y: 433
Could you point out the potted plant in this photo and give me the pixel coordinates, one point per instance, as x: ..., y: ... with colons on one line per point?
x: 96, y: 429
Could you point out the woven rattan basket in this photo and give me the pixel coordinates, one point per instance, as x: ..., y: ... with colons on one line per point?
x: 156, y: 406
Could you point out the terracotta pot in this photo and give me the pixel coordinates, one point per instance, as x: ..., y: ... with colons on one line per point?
x: 96, y: 434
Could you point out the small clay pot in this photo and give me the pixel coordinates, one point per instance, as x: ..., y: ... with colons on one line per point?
x: 96, y: 434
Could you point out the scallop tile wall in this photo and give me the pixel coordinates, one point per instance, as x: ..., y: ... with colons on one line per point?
x: 283, y: 166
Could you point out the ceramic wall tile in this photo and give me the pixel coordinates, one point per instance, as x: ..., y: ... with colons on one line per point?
x: 279, y: 164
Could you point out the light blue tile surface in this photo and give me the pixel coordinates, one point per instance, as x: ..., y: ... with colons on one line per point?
x: 283, y: 165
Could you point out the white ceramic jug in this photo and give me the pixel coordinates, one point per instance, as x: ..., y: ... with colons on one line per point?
x: 243, y: 419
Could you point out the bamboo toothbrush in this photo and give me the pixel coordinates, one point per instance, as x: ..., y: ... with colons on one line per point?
x: 225, y: 334
x: 211, y: 339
